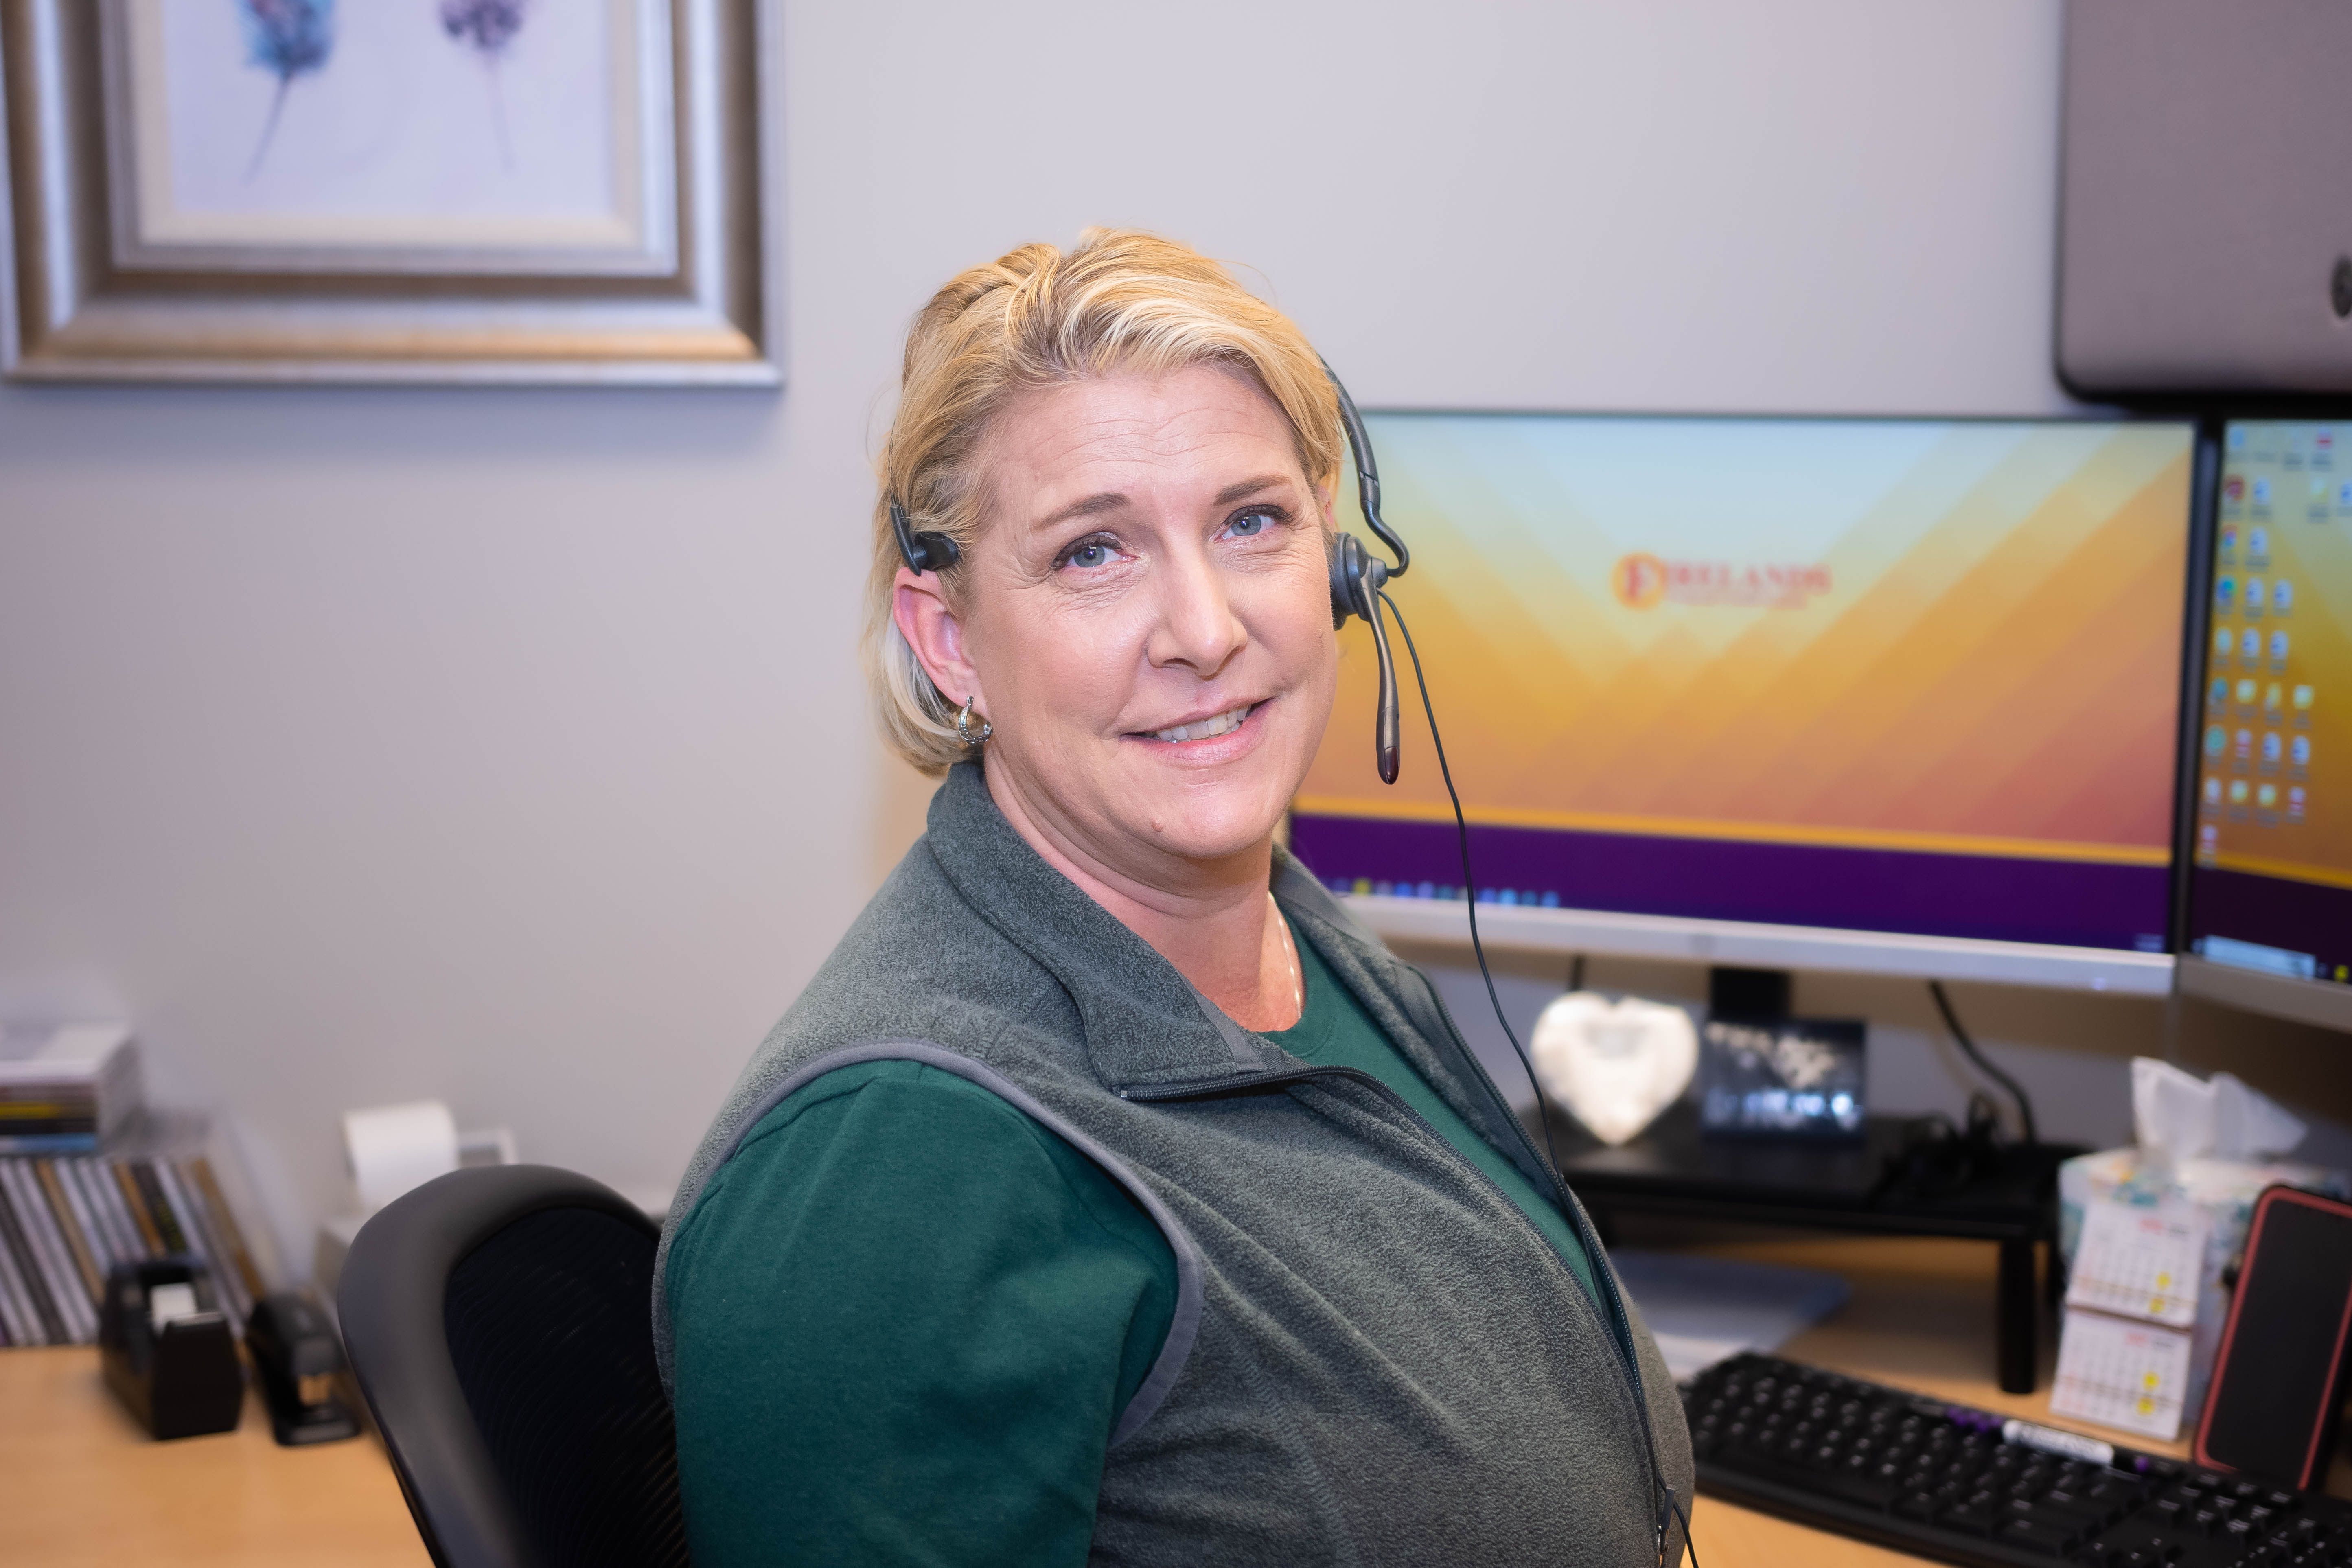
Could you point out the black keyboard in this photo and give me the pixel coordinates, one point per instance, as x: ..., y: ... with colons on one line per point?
x: 1965, y: 1486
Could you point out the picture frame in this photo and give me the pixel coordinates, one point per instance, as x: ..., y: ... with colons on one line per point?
x: 432, y: 191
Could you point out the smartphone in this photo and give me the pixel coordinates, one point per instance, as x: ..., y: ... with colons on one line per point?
x: 2279, y: 1383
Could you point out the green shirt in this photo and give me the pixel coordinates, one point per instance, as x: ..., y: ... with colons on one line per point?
x: 906, y: 1317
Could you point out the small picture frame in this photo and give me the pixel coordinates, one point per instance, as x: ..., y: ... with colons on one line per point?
x: 1784, y: 1078
x: 494, y: 190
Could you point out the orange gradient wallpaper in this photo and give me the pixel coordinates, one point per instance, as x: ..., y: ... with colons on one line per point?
x: 1952, y: 637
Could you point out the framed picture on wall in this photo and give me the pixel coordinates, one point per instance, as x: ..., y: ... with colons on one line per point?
x: 386, y: 190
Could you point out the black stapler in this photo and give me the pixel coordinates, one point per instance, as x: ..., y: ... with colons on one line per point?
x: 297, y: 1356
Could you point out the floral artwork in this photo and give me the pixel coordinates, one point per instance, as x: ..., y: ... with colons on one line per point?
x: 488, y: 26
x: 290, y: 37
x: 389, y: 191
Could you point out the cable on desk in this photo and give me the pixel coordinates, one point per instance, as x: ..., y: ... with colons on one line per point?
x: 1968, y: 1048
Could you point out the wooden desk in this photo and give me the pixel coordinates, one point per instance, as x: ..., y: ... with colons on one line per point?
x: 81, y: 1484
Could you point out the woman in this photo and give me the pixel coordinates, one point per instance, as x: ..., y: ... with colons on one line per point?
x: 1109, y: 1194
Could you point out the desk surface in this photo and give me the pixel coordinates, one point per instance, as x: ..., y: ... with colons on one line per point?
x: 81, y: 1484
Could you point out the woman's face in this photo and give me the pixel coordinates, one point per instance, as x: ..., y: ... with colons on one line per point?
x: 1146, y: 619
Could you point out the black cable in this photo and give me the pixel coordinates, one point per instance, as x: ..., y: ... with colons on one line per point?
x: 1575, y: 972
x: 1690, y: 1547
x: 1968, y: 1048
x: 1470, y: 887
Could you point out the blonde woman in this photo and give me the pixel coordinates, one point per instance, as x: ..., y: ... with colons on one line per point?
x: 1108, y: 1196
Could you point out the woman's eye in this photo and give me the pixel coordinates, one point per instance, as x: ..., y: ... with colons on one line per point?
x: 1250, y: 524
x: 1089, y: 554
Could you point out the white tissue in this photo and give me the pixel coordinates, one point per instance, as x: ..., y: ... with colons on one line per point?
x: 392, y: 1148
x: 1614, y: 1065
x: 2177, y: 1116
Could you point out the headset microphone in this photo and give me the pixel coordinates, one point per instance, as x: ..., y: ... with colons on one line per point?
x: 1358, y: 576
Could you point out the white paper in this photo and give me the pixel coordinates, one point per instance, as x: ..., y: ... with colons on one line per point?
x: 1703, y: 1310
x: 2140, y: 1262
x: 2120, y: 1374
x: 392, y: 1148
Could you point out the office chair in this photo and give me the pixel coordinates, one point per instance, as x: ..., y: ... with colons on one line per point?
x: 499, y: 1320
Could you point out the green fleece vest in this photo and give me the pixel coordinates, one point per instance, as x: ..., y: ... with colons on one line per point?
x: 1375, y: 1357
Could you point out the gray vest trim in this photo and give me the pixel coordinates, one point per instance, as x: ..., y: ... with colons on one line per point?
x: 1184, y: 1327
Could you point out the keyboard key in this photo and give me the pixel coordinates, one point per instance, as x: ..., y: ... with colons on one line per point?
x: 1969, y: 1519
x: 2034, y: 1536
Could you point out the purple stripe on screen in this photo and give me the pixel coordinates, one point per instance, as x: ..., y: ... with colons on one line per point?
x: 2069, y: 902
x: 2300, y: 917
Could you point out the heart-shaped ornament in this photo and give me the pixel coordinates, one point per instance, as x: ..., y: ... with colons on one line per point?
x: 1614, y: 1064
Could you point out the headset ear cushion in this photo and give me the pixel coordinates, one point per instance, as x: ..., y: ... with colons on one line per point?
x: 1347, y: 568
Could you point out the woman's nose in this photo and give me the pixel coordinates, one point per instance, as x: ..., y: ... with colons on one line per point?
x: 1196, y: 626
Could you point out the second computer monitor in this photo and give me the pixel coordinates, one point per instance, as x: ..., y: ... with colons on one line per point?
x: 1905, y: 677
x: 2270, y: 914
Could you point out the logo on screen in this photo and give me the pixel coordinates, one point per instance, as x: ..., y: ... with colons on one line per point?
x: 1640, y: 581
x: 1643, y: 581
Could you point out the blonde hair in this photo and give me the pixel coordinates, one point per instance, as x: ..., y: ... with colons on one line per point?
x: 1121, y: 301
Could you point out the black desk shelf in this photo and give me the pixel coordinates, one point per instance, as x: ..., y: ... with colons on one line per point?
x: 1672, y: 1169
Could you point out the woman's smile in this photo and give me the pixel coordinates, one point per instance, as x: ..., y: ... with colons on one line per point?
x: 1192, y: 731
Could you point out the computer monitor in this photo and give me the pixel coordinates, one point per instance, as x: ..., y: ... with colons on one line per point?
x: 1891, y: 695
x: 2270, y: 885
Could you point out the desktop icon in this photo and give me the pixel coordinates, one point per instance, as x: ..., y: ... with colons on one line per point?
x: 2246, y: 691
x: 2273, y: 748
x: 2242, y: 746
x: 2238, y: 791
x: 2303, y: 698
x: 2234, y: 492
x: 2209, y: 842
x: 2298, y: 751
x: 2261, y: 492
x: 2223, y: 641
x: 2212, y: 791
x: 2278, y: 647
x: 2294, y: 803
x: 2217, y: 741
x: 2344, y: 494
x: 2218, y: 695
x: 2271, y: 700
x: 2256, y: 596
x: 2266, y: 798
x: 2225, y: 591
x: 2282, y: 596
x: 2258, y: 545
x: 2322, y: 444
x: 2250, y: 645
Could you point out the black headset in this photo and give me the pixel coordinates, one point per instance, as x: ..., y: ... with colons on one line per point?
x: 1357, y: 575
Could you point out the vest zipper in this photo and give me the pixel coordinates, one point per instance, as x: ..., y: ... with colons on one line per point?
x: 1620, y: 1329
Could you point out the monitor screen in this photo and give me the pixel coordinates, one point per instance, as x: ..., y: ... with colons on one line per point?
x: 1873, y: 675
x: 2270, y: 883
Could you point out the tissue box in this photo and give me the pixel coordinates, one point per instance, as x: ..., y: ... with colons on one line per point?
x: 2222, y: 1190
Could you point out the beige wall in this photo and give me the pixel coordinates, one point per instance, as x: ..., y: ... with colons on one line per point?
x: 507, y: 746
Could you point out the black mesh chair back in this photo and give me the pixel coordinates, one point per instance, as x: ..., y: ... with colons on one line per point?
x: 500, y: 1324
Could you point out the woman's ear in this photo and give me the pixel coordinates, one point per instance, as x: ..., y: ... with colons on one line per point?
x: 923, y: 616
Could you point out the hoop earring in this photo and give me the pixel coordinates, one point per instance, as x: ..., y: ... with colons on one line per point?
x: 964, y: 728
